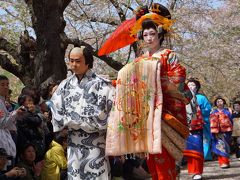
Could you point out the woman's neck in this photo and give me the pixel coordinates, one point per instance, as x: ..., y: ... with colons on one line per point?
x: 154, y: 50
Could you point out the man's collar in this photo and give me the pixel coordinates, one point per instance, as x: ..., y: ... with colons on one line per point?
x: 86, y: 77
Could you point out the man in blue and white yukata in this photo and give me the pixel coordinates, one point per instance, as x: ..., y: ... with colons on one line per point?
x: 82, y: 103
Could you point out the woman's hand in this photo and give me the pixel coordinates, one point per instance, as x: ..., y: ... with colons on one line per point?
x: 37, y: 168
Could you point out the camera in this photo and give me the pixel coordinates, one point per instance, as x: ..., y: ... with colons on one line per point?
x: 23, y: 108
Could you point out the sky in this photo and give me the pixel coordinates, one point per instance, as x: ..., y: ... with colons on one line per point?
x: 213, y: 3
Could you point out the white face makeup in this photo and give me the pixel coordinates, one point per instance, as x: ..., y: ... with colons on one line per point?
x: 192, y: 86
x: 150, y: 37
x: 220, y: 103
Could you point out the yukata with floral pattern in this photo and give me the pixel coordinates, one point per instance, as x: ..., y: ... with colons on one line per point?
x: 83, y: 106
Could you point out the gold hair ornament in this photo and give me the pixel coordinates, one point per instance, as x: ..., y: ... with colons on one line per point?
x: 156, y: 18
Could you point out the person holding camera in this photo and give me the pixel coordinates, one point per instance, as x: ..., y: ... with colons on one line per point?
x: 29, y: 126
x: 15, y: 173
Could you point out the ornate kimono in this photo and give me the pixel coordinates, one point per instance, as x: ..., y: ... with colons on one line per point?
x: 160, y: 116
x: 83, y: 107
x: 221, y: 129
x: 194, y: 142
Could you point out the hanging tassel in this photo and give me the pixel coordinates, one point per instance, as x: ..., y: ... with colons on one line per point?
x: 147, y: 155
x: 133, y: 156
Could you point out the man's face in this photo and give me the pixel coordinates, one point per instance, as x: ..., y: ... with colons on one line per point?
x: 236, y: 107
x: 77, y: 63
x: 4, y: 87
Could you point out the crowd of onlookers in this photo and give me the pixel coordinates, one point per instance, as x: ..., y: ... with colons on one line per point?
x: 28, y: 147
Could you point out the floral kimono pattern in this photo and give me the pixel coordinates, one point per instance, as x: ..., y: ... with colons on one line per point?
x: 83, y: 107
x: 221, y: 129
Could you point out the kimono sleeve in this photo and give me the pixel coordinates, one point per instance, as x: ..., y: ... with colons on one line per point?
x: 56, y: 105
x: 95, y: 114
x: 176, y: 75
x: 204, y: 105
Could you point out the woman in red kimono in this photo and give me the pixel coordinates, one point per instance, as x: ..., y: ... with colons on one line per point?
x: 152, y: 27
x: 162, y: 166
x: 221, y: 129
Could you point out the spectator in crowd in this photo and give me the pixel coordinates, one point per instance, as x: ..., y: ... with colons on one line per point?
x: 55, y: 160
x: 27, y: 161
x: 29, y: 126
x: 13, y: 174
x: 6, y: 120
x: 236, y: 127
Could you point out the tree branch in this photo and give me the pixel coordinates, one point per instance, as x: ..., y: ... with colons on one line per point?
x: 110, y: 21
x: 172, y: 5
x: 8, y: 47
x: 127, y: 6
x: 6, y: 64
x: 119, y: 10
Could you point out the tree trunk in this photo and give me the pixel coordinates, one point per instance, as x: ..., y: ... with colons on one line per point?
x: 48, y: 23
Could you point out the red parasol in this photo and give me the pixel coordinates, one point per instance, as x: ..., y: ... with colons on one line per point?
x: 119, y: 38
